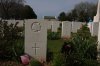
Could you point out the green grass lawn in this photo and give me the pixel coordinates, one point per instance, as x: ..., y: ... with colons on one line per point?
x: 54, y: 45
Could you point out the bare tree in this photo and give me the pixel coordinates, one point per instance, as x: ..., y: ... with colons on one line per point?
x: 7, y: 5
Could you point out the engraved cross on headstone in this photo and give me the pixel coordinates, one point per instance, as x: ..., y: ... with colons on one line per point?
x: 35, y: 47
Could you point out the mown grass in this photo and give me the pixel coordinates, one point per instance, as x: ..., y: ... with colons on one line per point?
x: 54, y: 45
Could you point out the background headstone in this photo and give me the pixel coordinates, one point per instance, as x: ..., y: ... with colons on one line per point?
x: 95, y: 27
x: 36, y: 39
x: 66, y: 29
x: 55, y: 26
x: 48, y: 24
x: 76, y: 26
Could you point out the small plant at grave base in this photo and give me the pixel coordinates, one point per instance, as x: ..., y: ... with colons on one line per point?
x: 53, y: 35
x: 35, y: 63
x: 80, y: 50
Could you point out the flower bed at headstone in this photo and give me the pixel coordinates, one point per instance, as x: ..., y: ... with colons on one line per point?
x: 79, y: 50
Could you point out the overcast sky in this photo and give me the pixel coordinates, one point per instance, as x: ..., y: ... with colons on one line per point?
x: 53, y: 7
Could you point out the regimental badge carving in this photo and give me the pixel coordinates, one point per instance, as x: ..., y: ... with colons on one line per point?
x: 35, y: 26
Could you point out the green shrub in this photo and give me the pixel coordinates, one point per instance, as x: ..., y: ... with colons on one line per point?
x: 35, y: 63
x: 82, y: 52
x: 18, y: 49
x: 84, y: 43
x: 9, y: 38
x: 59, y: 60
x: 53, y: 35
x: 90, y: 62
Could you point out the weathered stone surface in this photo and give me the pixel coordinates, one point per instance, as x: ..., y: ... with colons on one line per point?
x: 36, y: 39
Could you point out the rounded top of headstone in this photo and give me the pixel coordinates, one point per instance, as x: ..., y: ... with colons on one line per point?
x: 35, y: 26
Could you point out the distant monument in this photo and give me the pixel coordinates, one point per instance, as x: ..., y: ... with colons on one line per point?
x: 50, y: 18
x: 97, y: 17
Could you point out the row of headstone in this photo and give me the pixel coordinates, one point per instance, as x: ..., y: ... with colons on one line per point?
x: 68, y: 27
x: 53, y: 25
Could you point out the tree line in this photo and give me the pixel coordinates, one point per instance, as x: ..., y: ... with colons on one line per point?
x: 16, y: 9
x: 82, y: 12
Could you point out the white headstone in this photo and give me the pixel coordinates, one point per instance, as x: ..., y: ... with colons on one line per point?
x: 20, y: 22
x: 55, y: 26
x: 76, y: 26
x: 48, y: 24
x: 66, y: 29
x: 95, y: 27
x: 98, y: 46
x: 36, y: 39
x: 97, y: 17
